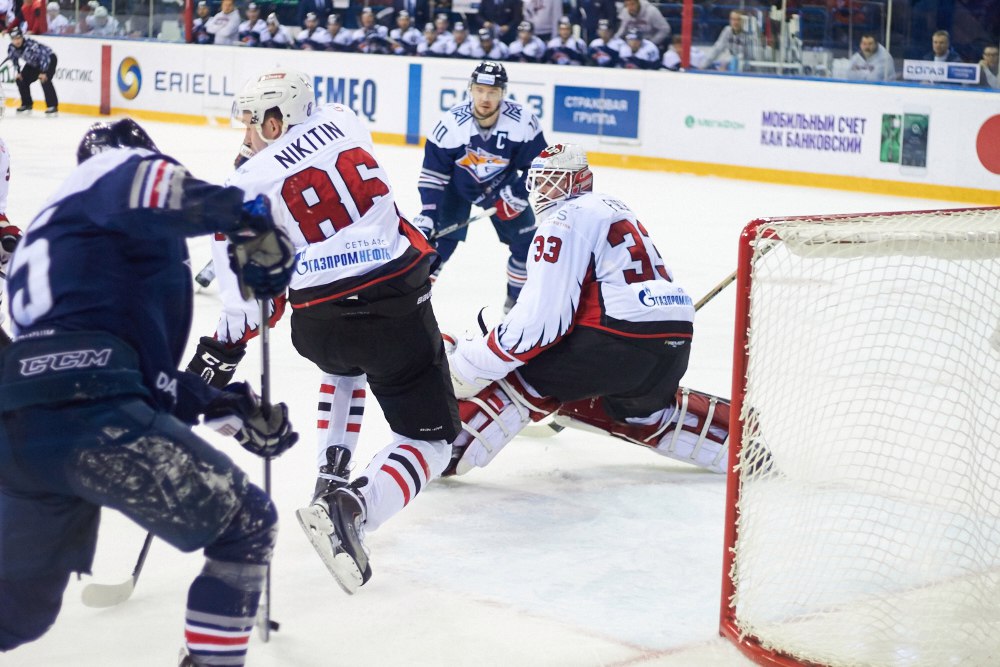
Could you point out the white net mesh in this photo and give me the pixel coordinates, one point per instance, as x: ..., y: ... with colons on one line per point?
x: 873, y: 380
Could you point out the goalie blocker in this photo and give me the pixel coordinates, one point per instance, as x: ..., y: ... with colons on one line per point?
x: 694, y: 430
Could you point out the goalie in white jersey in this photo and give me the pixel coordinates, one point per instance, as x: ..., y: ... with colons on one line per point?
x: 600, y: 335
x: 361, y: 311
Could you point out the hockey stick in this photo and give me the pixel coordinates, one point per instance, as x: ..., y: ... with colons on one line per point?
x: 444, y: 231
x: 108, y: 595
x: 264, y: 622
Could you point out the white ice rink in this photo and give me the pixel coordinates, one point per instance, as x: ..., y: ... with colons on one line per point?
x: 576, y: 550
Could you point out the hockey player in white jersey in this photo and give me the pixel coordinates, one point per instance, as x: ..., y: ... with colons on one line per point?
x: 361, y: 311
x: 601, y: 334
x: 10, y: 234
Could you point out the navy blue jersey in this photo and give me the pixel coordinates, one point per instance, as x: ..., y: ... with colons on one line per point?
x: 478, y: 163
x: 108, y: 253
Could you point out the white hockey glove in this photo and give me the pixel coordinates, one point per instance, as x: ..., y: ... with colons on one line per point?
x: 509, y: 205
x: 424, y: 224
x: 465, y: 377
x: 261, y: 429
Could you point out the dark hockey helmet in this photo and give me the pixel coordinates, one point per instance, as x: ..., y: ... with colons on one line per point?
x: 124, y: 133
x: 489, y: 73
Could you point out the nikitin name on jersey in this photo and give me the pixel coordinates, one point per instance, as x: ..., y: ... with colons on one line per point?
x: 650, y: 300
x: 343, y: 259
x: 317, y: 137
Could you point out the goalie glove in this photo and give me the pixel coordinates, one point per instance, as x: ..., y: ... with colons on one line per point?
x: 261, y: 255
x: 214, y: 362
x: 464, y: 377
x: 9, y: 237
x: 509, y: 205
x: 260, y: 429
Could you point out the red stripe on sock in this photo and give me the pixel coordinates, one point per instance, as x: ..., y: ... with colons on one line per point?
x: 323, y: 423
x: 198, y: 638
x: 358, y: 393
x: 353, y: 427
x: 399, y: 480
x: 420, y: 459
x: 326, y: 389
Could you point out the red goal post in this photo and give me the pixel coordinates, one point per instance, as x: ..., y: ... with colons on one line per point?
x: 863, y: 502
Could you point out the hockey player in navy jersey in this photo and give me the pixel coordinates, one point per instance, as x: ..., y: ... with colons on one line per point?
x: 601, y: 334
x: 479, y: 153
x: 93, y: 411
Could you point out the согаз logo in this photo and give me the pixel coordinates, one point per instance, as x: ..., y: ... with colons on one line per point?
x: 129, y: 78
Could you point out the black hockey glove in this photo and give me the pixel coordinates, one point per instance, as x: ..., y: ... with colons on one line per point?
x: 9, y: 236
x: 215, y: 363
x: 261, y: 429
x: 261, y: 255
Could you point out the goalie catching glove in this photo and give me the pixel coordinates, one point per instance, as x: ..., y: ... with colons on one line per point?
x: 261, y: 429
x: 261, y: 254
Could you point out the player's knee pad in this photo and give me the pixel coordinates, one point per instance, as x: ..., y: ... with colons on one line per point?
x: 30, y: 607
x: 492, y: 418
x: 695, y: 430
x: 250, y: 536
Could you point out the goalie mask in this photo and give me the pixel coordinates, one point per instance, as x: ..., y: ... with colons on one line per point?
x: 559, y: 172
x: 288, y: 91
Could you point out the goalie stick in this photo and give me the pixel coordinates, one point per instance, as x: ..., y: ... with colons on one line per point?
x: 108, y: 595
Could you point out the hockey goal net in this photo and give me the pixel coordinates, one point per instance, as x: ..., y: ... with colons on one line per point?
x: 863, y: 516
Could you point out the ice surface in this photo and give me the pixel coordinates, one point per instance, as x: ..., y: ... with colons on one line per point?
x: 576, y: 550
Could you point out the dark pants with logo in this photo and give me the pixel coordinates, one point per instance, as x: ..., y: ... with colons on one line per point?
x: 636, y: 376
x: 29, y: 74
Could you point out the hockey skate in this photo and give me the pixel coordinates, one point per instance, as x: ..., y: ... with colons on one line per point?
x: 334, y: 526
x: 24, y: 108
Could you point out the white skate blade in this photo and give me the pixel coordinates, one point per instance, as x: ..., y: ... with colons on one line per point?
x: 319, y: 529
x: 107, y: 595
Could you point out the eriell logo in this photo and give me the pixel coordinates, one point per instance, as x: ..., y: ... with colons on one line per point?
x: 64, y: 361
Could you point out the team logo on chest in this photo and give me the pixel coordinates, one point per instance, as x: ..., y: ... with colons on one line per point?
x: 481, y: 164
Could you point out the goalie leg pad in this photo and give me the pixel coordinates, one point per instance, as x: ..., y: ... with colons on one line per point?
x: 492, y: 418
x: 695, y: 430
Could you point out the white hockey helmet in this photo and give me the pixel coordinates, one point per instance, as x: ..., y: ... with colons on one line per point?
x: 287, y: 90
x: 559, y: 172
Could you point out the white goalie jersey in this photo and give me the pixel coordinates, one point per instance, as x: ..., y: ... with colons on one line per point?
x: 591, y: 264
x: 334, y: 199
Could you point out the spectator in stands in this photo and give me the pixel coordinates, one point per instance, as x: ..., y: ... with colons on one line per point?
x: 544, y: 16
x: 588, y: 13
x: 501, y: 17
x: 321, y: 8
x: 340, y: 39
x: 988, y: 76
x: 639, y: 52
x: 253, y: 28
x: 871, y: 62
x: 225, y: 24
x: 604, y: 48
x: 736, y: 42
x: 564, y: 48
x: 493, y: 48
x: 647, y: 19
x: 526, y: 48
x: 433, y: 46
x: 275, y: 35
x: 941, y: 50
x: 58, y: 24
x: 35, y: 17
x: 672, y: 56
x: 312, y: 37
x: 371, y: 37
x: 465, y: 46
x: 404, y: 36
x: 199, y: 27
x: 102, y: 24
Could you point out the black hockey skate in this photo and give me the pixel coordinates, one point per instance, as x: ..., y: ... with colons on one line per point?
x: 24, y: 108
x: 334, y: 474
x: 334, y: 526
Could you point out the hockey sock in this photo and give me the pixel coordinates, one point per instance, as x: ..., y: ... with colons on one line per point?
x: 398, y: 473
x: 338, y: 413
x: 220, y: 615
x: 517, y: 274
